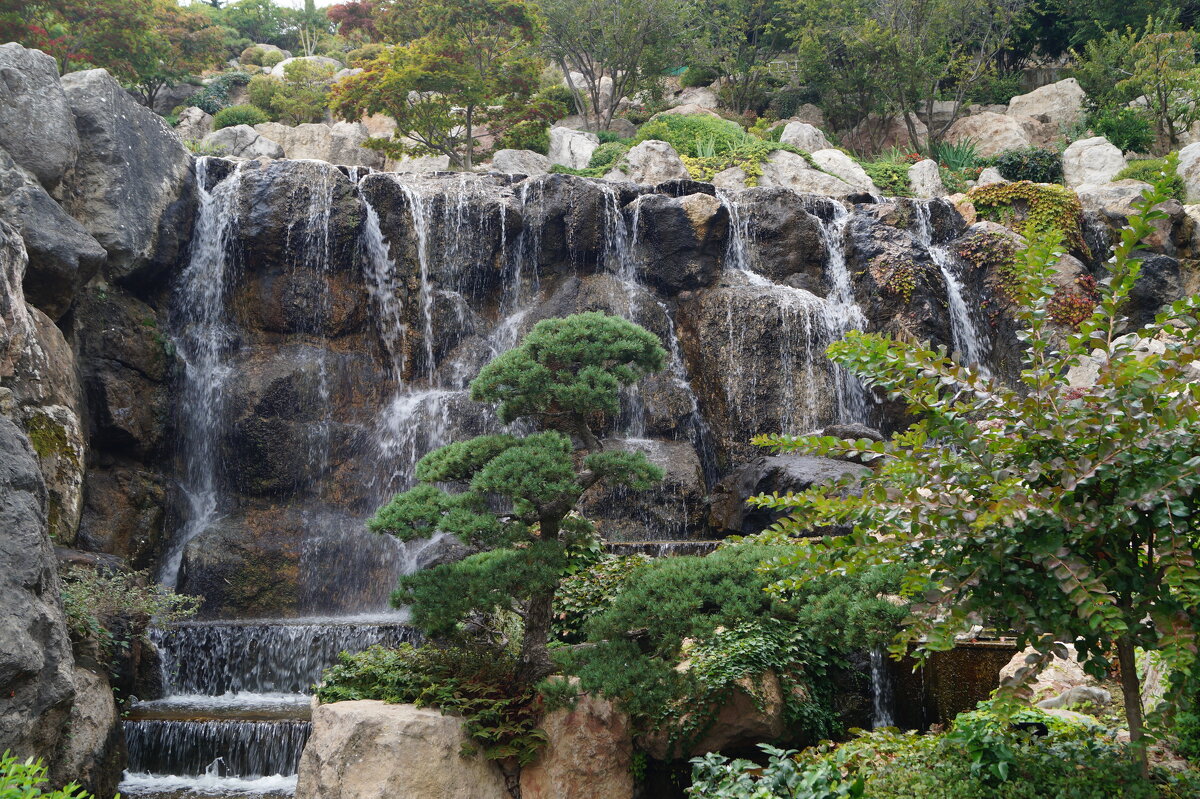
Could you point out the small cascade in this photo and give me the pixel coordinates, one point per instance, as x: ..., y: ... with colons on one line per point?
x: 240, y: 749
x: 843, y: 313
x: 881, y: 690
x: 971, y: 345
x: 661, y: 549
x: 203, y: 340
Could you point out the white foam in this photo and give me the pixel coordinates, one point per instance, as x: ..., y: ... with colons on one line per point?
x: 140, y: 784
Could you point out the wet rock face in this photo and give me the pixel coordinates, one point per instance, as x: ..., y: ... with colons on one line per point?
x: 37, y: 127
x: 770, y: 474
x: 784, y: 239
x: 687, y: 236
x: 35, y: 656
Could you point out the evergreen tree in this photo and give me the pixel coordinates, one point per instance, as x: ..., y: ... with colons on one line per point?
x: 510, y: 496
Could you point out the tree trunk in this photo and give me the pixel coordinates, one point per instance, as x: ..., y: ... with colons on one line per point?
x: 1131, y: 689
x: 535, y: 656
x: 470, y: 139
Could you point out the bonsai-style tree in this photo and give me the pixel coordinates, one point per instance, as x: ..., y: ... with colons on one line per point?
x: 510, y: 495
x: 1065, y: 510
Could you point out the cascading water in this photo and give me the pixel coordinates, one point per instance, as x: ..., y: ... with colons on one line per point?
x: 881, y: 690
x: 972, y: 347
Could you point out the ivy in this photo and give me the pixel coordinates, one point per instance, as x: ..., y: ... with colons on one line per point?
x: 898, y: 276
x: 1033, y: 209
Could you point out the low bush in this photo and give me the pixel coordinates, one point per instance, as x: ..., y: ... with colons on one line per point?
x: 261, y: 92
x: 997, y: 88
x: 786, y: 100
x: 698, y: 76
x: 890, y: 177
x: 983, y: 756
x: 24, y: 779
x: 271, y: 58
x: 587, y: 592
x: 695, y: 135
x: 1033, y: 209
x: 368, y: 52
x: 477, y: 684
x: 1131, y: 129
x: 252, y: 55
x: 215, y: 96
x: 1152, y: 170
x: 239, y: 115
x: 1035, y: 164
x: 113, y: 609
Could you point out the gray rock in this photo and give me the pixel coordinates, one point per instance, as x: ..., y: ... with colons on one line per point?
x: 36, y: 665
x: 62, y: 256
x: 991, y: 133
x: 279, y: 70
x: 1189, y: 170
x: 243, y: 141
x: 784, y: 239
x: 339, y: 143
x: 649, y: 163
x: 840, y: 165
x: 990, y: 175
x: 194, y: 124
x: 790, y: 171
x: 16, y: 325
x: 36, y: 125
x: 805, y: 136
x: 131, y: 175
x: 572, y: 148
x: 1060, y: 103
x: 520, y: 162
x: 926, y: 179
x: 1091, y: 161
x: 765, y: 475
x: 91, y: 755
x: 673, y: 509
x: 689, y: 236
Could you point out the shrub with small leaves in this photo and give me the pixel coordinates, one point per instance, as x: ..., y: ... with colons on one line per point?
x: 1154, y: 170
x: 890, y: 177
x: 239, y: 115
x: 898, y: 276
x: 1070, y: 307
x: 215, y: 96
x: 1033, y: 209
x: 1131, y: 129
x: 24, y: 779
x: 271, y: 58
x: 698, y: 76
x: 584, y: 594
x: 995, y: 252
x: 1035, y: 164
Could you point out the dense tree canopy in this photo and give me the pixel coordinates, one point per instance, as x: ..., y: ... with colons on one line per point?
x: 513, y: 494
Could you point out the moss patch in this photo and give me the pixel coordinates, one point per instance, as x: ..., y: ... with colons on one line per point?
x: 1033, y: 209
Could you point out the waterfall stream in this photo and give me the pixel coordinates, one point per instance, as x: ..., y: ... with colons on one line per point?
x: 967, y: 340
x: 881, y: 690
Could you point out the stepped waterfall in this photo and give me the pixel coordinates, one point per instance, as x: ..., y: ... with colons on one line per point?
x: 329, y: 322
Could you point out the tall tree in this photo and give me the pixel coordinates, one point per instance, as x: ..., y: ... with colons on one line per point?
x: 1064, y: 512
x: 627, y: 42
x: 513, y: 495
x: 183, y: 42
x: 1164, y: 73
x: 467, y: 55
x: 740, y: 38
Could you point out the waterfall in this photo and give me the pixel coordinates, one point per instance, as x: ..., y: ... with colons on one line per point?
x: 843, y: 313
x: 242, y: 749
x: 972, y: 347
x: 881, y: 690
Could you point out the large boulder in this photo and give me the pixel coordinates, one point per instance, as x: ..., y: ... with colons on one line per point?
x: 243, y: 141
x: 787, y: 170
x: 36, y: 665
x: 698, y: 96
x: 37, y: 127
x: 339, y: 143
x: 1094, y: 161
x: 992, y: 133
x: 520, y: 162
x: 766, y: 474
x: 372, y: 750
x: 689, y: 239
x: 572, y: 148
x: 805, y: 136
x: 588, y: 754
x: 1059, y: 103
x: 62, y: 255
x: 194, y: 124
x: 16, y: 325
x: 784, y: 237
x: 129, y: 182
x: 1112, y: 204
x: 925, y: 179
x: 1189, y: 170
x: 840, y: 165
x: 650, y: 163
x: 91, y: 754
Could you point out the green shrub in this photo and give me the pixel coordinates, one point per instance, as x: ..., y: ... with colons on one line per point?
x: 606, y: 155
x: 261, y: 92
x: 215, y: 96
x: 692, y: 134
x: 1128, y: 128
x: 1034, y: 164
x: 981, y: 757
x: 563, y: 96
x: 891, y: 177
x: 252, y: 55
x: 786, y: 101
x: 113, y: 609
x: 23, y: 779
x: 304, y: 94
x: 368, y: 52
x: 698, y: 76
x: 1151, y: 170
x: 956, y: 156
x: 239, y: 115
x: 271, y: 58
x: 997, y: 88
x: 477, y: 684
x: 584, y: 594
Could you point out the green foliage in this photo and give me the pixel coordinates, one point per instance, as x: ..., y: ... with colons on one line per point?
x: 479, y: 685
x: 239, y: 115
x: 198, y: 147
x: 303, y: 94
x: 512, y: 496
x: 891, y: 177
x: 690, y: 133
x: 1033, y: 209
x: 367, y: 52
x: 582, y: 595
x: 1066, y: 514
x: 956, y: 156
x: 111, y: 609
x: 1127, y: 128
x: 1162, y: 68
x: 997, y: 253
x: 271, y: 58
x: 898, y: 276
x: 215, y: 96
x: 525, y: 125
x: 996, y: 88
x: 1155, y: 170
x: 698, y: 76
x: 1101, y: 66
x: 261, y: 92
x: 23, y: 779
x: 1034, y: 164
x: 736, y: 630
x: 984, y: 756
